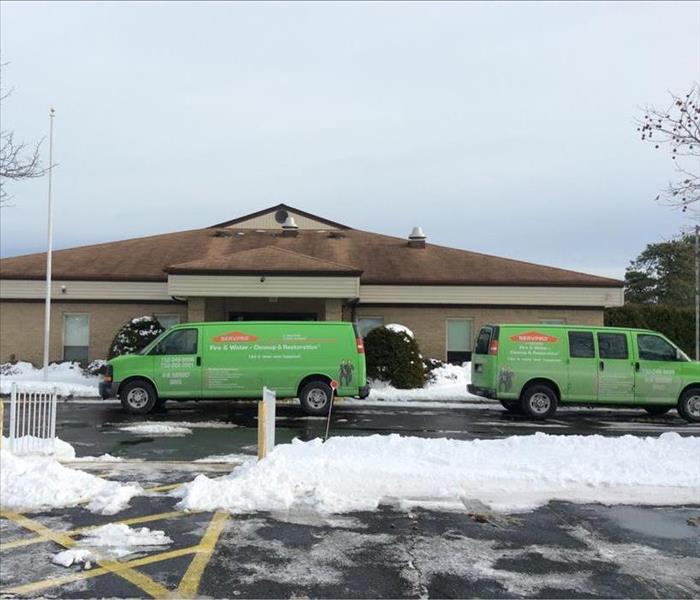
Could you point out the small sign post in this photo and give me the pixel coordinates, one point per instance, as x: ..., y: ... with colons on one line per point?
x: 266, y: 423
x: 334, y: 387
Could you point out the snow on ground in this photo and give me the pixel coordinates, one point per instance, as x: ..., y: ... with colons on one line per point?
x: 163, y: 429
x: 57, y: 448
x: 449, y: 385
x: 225, y: 458
x: 112, y: 541
x: 37, y: 482
x: 66, y: 377
x: 512, y: 474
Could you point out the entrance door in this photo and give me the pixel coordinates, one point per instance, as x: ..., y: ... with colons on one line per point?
x: 177, y: 366
x: 271, y: 316
x: 615, y: 368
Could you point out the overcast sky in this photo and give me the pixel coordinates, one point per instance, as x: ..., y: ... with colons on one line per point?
x: 501, y: 128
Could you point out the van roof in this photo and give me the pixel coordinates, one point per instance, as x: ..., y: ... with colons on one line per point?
x: 247, y: 323
x: 564, y: 326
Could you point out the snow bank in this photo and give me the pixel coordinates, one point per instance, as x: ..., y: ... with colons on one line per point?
x: 512, y: 474
x: 112, y: 541
x: 38, y: 482
x: 59, y: 449
x: 66, y: 377
x: 449, y: 385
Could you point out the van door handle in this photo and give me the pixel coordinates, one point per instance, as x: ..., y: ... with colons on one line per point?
x: 602, y: 365
x: 199, y: 361
x: 636, y: 366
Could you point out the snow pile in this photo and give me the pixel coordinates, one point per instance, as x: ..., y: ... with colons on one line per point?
x: 57, y: 448
x: 112, y: 541
x: 67, y: 378
x: 449, y: 385
x: 38, y: 482
x: 398, y: 328
x: 164, y: 429
x: 511, y: 474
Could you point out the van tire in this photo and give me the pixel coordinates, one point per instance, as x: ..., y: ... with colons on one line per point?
x: 689, y: 405
x: 311, y: 397
x: 538, y: 401
x: 512, y: 406
x: 657, y: 410
x: 138, y: 397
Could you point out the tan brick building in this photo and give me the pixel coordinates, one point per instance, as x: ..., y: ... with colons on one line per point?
x: 283, y: 263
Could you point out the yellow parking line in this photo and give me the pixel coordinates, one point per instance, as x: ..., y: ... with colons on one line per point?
x: 37, y: 586
x: 71, y: 533
x: 148, y: 585
x: 190, y: 580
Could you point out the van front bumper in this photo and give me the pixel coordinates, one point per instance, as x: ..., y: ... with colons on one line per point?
x: 108, y: 390
x: 481, y: 391
x: 364, y: 391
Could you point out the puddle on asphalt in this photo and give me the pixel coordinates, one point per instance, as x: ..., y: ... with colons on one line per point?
x: 666, y: 524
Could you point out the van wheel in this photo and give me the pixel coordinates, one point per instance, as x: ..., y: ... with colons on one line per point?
x: 315, y: 398
x: 689, y: 405
x: 539, y: 401
x: 657, y: 410
x: 511, y: 405
x: 138, y: 397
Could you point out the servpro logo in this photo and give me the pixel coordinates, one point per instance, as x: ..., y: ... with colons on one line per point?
x: 234, y: 336
x: 533, y: 336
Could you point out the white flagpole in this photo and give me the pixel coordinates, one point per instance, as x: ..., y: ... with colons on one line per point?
x: 47, y: 309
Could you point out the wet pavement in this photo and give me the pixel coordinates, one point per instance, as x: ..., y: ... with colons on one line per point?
x: 558, y: 550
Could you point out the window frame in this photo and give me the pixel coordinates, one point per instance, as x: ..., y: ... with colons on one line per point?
x: 654, y: 335
x: 470, y: 341
x: 624, y: 335
x: 167, y: 334
x: 593, y: 343
x: 63, y: 335
x: 367, y: 317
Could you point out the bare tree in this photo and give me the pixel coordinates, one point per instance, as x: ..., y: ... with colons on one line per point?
x: 677, y: 128
x: 18, y: 160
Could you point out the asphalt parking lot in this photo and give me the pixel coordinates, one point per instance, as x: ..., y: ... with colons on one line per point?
x: 559, y: 550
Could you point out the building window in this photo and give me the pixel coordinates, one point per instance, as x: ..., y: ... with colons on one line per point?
x: 167, y: 321
x: 367, y: 324
x: 76, y: 338
x: 459, y: 340
x: 552, y: 321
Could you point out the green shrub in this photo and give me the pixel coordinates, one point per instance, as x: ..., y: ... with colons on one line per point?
x: 135, y: 335
x: 677, y: 324
x: 394, y: 356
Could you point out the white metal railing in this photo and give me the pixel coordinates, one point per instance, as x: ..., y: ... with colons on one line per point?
x: 32, y: 421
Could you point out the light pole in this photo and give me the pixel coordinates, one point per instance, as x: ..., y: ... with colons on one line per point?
x: 47, y: 309
x: 697, y: 292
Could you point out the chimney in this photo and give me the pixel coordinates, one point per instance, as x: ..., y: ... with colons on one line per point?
x: 417, y: 238
x: 290, y: 228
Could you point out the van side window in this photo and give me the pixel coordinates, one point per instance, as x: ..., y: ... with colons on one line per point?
x: 581, y: 344
x: 181, y: 341
x: 652, y: 347
x: 612, y: 345
x: 482, y: 342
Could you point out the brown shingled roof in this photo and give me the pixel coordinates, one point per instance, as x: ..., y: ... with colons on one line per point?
x: 381, y: 259
x: 268, y: 259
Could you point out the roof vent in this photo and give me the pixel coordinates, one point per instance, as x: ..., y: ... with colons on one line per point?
x: 336, y: 235
x: 417, y: 238
x: 290, y: 228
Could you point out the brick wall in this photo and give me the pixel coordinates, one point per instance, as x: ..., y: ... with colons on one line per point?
x: 22, y: 326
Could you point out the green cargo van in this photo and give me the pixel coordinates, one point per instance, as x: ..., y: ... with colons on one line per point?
x: 532, y: 368
x: 194, y: 361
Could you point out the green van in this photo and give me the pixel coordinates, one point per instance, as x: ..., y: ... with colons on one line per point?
x: 236, y: 359
x: 532, y: 368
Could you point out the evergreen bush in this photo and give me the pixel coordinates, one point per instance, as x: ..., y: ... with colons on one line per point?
x: 394, y: 356
x: 676, y: 323
x: 135, y: 335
